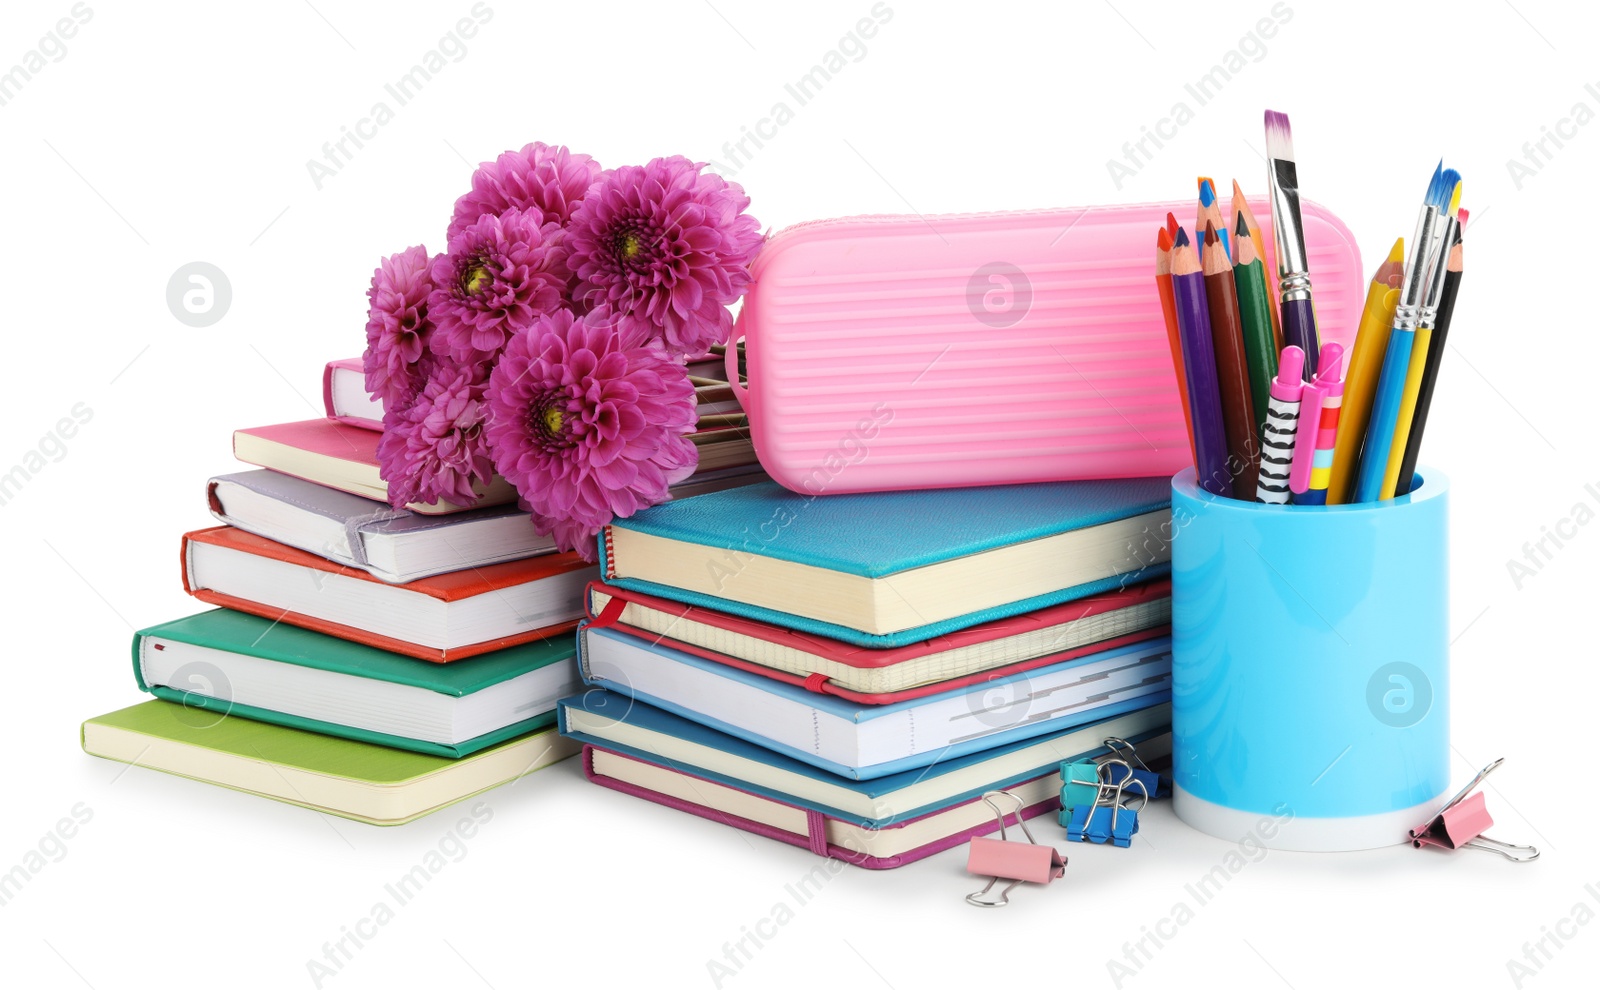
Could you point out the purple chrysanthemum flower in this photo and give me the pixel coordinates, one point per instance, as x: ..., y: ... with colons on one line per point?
x: 396, y: 359
x: 547, y: 181
x: 500, y: 273
x: 667, y: 248
x: 587, y: 428
x: 437, y: 448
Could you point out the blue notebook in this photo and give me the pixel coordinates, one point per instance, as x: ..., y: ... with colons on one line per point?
x: 615, y: 722
x: 868, y: 741
x: 889, y: 568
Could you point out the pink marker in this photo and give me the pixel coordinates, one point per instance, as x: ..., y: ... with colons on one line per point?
x: 1305, y: 439
x: 1278, y: 436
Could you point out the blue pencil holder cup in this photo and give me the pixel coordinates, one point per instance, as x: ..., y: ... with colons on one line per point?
x: 1311, y: 667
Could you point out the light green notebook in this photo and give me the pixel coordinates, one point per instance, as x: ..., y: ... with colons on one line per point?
x: 357, y: 780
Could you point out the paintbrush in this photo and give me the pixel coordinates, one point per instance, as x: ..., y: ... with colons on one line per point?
x: 1299, y: 320
x: 1387, y: 396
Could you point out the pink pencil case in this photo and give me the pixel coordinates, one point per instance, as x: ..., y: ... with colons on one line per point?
x: 899, y: 352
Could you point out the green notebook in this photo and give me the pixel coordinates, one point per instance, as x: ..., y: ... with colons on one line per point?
x: 361, y: 781
x: 234, y: 663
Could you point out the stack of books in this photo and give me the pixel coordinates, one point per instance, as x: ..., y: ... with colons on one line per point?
x: 849, y: 673
x: 365, y: 661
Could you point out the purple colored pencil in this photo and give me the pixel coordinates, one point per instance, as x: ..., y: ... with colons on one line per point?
x: 1200, y: 368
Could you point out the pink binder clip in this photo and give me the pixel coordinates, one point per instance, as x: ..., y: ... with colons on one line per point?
x: 1460, y: 824
x: 1002, y: 859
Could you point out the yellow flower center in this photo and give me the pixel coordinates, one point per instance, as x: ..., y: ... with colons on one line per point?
x: 630, y: 246
x: 475, y: 280
x: 553, y: 421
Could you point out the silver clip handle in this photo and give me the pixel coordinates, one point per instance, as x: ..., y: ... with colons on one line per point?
x: 1514, y: 853
x: 978, y: 898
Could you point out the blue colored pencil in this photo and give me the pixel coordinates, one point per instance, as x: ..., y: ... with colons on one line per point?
x: 1211, y: 210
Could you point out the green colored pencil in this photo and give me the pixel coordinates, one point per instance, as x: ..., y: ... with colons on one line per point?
x: 1255, y: 316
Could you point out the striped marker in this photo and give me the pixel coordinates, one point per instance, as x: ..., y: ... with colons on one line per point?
x: 1331, y: 387
x: 1277, y: 437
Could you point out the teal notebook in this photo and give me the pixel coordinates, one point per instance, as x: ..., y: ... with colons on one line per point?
x: 890, y: 568
x: 230, y: 662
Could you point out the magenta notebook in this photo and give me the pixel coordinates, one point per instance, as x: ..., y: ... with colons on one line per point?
x: 878, y: 848
x: 341, y: 457
x: 345, y: 396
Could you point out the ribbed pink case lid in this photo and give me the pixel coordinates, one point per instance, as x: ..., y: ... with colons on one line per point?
x: 897, y: 352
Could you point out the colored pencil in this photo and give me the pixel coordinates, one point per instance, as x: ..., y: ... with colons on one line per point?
x: 1402, y: 338
x: 1169, y: 315
x: 1430, y: 374
x: 1211, y: 212
x: 1366, y: 357
x: 1283, y: 416
x: 1233, y: 371
x: 1200, y: 367
x: 1420, y: 349
x: 1288, y: 236
x: 1261, y: 355
x: 1242, y: 206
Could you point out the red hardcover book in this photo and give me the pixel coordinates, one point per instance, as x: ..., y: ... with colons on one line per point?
x: 441, y: 618
x: 882, y: 676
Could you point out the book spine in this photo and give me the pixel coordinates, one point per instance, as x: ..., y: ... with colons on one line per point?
x: 327, y: 389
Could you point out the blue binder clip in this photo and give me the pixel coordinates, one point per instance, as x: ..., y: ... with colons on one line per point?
x: 1107, y: 819
x: 1081, y: 781
x: 1155, y: 785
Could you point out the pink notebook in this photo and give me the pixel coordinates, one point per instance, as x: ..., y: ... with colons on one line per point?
x: 879, y: 848
x: 345, y: 396
x: 898, y: 352
x: 342, y: 457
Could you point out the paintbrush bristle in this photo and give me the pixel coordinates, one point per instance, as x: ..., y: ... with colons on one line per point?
x: 1461, y: 215
x: 1455, y: 199
x: 1437, y: 192
x: 1280, y: 143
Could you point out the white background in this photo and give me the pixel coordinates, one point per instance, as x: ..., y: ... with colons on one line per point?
x: 169, y: 136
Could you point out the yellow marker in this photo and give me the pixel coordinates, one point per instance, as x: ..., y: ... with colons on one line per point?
x: 1361, y: 381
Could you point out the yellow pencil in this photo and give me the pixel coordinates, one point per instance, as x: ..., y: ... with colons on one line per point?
x: 1414, y: 371
x: 1361, y: 380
